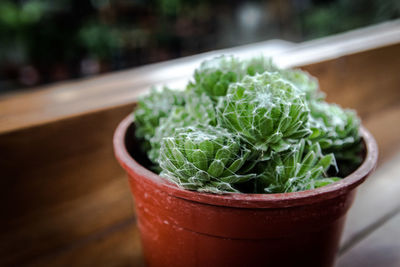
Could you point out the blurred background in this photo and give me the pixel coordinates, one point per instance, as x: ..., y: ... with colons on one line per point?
x: 44, y: 41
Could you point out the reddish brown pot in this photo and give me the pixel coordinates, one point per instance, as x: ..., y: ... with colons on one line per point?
x: 185, y: 228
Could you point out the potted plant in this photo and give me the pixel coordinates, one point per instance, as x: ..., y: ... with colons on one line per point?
x: 248, y: 166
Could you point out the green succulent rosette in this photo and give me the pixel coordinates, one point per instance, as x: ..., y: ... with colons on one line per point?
x: 151, y: 108
x: 337, y: 132
x: 301, y: 167
x: 207, y: 159
x: 300, y: 79
x: 214, y: 76
x: 266, y: 111
x: 333, y: 127
x: 248, y: 126
x: 178, y: 118
x: 199, y: 110
x: 257, y: 65
x: 304, y: 82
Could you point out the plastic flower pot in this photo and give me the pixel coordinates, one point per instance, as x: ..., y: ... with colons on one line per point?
x: 179, y: 227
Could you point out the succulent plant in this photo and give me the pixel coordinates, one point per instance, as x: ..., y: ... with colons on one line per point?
x: 266, y: 110
x: 248, y: 126
x: 302, y: 167
x: 257, y: 65
x: 152, y: 107
x: 303, y: 81
x: 336, y: 130
x: 207, y: 159
x: 201, y: 108
x: 198, y: 110
x: 177, y: 118
x: 333, y: 127
x: 214, y: 76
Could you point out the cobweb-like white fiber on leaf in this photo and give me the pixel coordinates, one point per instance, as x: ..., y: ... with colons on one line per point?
x: 206, y: 159
x: 333, y: 126
x: 266, y: 110
x: 248, y: 126
x: 178, y: 118
x: 214, y: 76
x: 151, y: 109
x: 337, y: 131
x: 199, y: 110
x: 301, y: 167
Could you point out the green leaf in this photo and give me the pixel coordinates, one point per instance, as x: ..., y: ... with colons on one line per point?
x: 199, y: 159
x: 223, y: 155
x: 325, y: 181
x: 216, y: 168
x: 235, y: 179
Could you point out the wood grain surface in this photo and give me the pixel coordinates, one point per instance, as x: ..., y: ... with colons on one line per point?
x: 380, y: 248
x: 60, y: 183
x: 64, y: 200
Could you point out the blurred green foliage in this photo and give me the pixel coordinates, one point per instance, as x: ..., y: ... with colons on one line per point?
x: 343, y: 15
x: 100, y: 39
x: 56, y: 38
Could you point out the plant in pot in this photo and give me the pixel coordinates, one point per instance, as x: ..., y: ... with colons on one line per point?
x: 248, y: 166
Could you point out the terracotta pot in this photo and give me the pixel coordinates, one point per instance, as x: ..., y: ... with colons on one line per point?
x: 185, y: 228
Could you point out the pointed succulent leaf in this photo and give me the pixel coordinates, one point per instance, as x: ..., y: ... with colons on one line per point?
x: 260, y: 106
x: 325, y: 181
x: 194, y: 152
x: 199, y: 159
x: 216, y: 168
x: 337, y: 130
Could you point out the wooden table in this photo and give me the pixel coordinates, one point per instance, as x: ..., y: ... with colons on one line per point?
x: 64, y: 201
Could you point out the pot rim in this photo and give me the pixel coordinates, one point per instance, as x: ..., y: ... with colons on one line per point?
x: 240, y: 200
